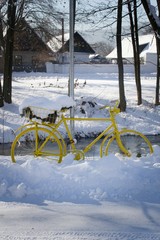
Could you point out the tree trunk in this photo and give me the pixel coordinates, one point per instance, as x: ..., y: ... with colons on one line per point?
x: 7, y: 86
x: 135, y: 43
x: 2, y: 49
x: 158, y: 60
x: 1, y: 33
x: 137, y: 57
x: 158, y: 72
x: 1, y: 96
x: 119, y: 58
x: 152, y: 18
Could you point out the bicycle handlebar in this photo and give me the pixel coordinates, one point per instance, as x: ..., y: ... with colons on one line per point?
x: 115, y: 109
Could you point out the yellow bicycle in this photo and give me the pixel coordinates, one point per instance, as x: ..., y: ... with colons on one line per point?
x: 44, y: 139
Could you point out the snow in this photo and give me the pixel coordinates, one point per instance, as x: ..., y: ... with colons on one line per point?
x: 127, y: 49
x: 45, y: 105
x: 113, y: 197
x: 56, y: 42
x: 153, y: 12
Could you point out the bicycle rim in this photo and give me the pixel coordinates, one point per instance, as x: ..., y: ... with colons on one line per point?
x: 132, y: 143
x: 36, y: 142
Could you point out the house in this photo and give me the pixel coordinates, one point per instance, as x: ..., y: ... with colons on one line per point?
x: 147, y: 48
x: 30, y: 53
x: 60, y: 45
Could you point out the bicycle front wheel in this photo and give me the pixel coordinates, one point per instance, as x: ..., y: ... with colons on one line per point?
x: 37, y: 142
x: 129, y: 143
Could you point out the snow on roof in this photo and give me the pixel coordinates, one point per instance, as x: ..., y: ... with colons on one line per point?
x: 80, y: 44
x: 91, y: 56
x: 56, y: 42
x: 127, y: 48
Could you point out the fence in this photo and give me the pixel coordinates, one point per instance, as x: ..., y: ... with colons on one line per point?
x: 98, y: 68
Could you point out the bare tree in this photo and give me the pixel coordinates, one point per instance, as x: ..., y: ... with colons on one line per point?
x: 132, y: 8
x: 13, y: 12
x: 41, y: 14
x: 2, y: 3
x: 119, y: 57
x: 1, y: 96
x: 43, y: 17
x: 7, y: 82
x: 104, y: 13
x: 154, y: 19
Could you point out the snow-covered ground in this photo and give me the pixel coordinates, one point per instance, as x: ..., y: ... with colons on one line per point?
x: 97, y: 198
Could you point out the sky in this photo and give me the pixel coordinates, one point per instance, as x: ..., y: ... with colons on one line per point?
x: 90, y: 31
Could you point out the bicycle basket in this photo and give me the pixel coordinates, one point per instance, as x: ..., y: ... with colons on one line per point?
x: 43, y: 114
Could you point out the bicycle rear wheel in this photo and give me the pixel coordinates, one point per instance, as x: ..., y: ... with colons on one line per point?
x: 37, y: 142
x: 131, y: 143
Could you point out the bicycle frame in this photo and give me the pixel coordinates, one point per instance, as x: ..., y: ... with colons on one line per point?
x: 112, y: 126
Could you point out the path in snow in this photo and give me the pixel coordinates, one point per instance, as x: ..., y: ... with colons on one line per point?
x: 68, y: 221
x: 30, y: 235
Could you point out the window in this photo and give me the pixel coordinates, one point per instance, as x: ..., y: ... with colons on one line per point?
x: 18, y: 60
x: 34, y: 61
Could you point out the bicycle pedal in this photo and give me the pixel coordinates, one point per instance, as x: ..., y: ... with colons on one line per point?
x: 79, y: 155
x: 69, y: 142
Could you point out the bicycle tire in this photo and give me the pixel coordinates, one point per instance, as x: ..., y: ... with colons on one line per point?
x: 132, y: 143
x: 48, y: 145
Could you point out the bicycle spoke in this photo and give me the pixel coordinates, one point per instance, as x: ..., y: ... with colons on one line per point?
x: 132, y: 142
x: 46, y: 144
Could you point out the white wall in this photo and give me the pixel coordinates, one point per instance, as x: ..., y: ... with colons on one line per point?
x: 79, y: 57
x: 97, y: 68
x: 151, y: 58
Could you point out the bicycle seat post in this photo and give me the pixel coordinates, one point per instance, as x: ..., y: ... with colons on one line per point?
x: 71, y: 140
